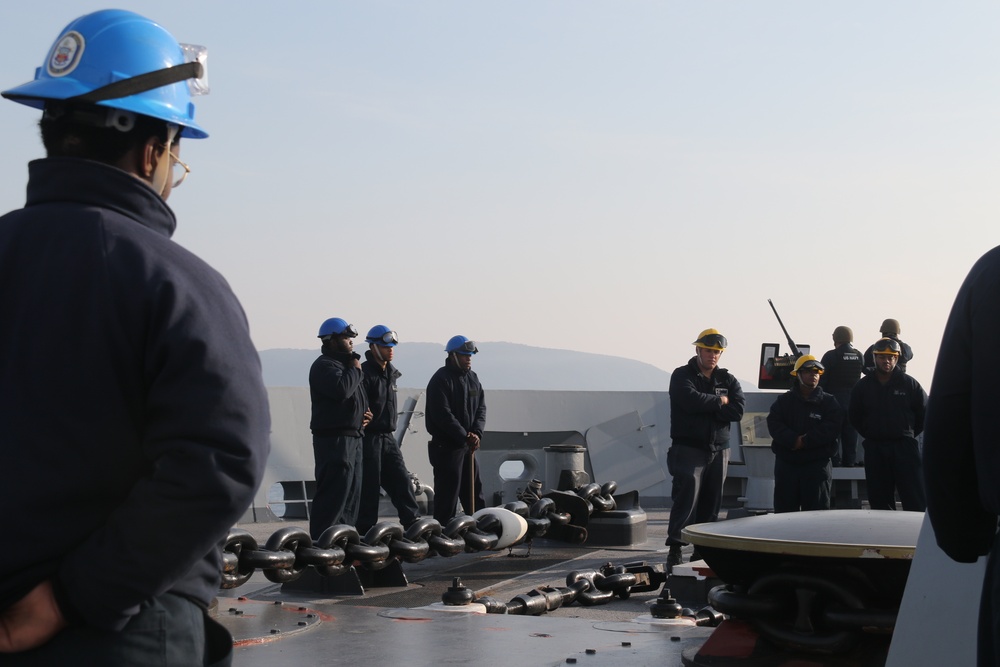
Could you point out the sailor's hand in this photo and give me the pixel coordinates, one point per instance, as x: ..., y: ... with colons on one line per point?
x: 799, y: 443
x: 724, y: 399
x: 31, y: 621
x: 367, y: 418
x: 472, y: 440
x: 357, y: 363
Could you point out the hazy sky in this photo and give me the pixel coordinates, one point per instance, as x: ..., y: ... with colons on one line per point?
x: 607, y: 177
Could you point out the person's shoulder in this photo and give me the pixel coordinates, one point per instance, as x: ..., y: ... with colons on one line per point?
x: 686, y: 369
x: 865, y: 380
x: 785, y: 396
x: 826, y: 398
x: 988, y: 262
x: 440, y: 374
x: 131, y: 245
x: 908, y: 379
x: 724, y: 375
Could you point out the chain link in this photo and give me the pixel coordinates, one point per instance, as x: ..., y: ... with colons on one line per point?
x: 588, y: 588
x: 290, y: 550
x: 808, y: 611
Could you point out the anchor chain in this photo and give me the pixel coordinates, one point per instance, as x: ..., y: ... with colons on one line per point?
x: 290, y: 551
x: 599, y: 496
x: 804, y: 611
x: 588, y: 588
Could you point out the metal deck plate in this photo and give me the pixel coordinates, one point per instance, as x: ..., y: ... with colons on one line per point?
x: 824, y: 534
x: 257, y: 622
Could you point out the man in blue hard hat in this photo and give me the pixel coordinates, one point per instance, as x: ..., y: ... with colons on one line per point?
x: 383, y: 461
x: 339, y: 415
x: 455, y: 418
x: 131, y: 398
x: 704, y: 400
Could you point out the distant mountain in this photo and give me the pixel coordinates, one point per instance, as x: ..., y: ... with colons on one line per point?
x: 499, y: 366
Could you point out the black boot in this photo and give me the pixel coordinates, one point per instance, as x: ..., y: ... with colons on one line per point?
x: 674, y: 556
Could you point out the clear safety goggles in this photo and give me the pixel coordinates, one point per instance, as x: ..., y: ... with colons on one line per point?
x: 388, y: 338
x: 197, y: 54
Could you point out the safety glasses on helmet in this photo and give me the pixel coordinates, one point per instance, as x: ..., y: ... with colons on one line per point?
x: 887, y: 346
x: 712, y: 340
x: 468, y: 347
x: 389, y: 337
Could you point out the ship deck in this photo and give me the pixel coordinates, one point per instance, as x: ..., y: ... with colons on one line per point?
x: 407, y: 624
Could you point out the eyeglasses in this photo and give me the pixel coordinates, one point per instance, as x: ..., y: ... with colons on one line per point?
x: 388, y: 338
x: 887, y: 346
x: 179, y: 170
x: 712, y: 340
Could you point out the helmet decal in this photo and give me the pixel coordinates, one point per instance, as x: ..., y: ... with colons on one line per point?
x: 66, y: 54
x: 119, y: 60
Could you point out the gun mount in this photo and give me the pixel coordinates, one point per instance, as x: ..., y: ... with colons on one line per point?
x: 776, y: 368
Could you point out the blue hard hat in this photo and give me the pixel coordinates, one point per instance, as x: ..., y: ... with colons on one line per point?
x: 461, y: 345
x: 100, y: 58
x: 336, y: 327
x: 382, y: 335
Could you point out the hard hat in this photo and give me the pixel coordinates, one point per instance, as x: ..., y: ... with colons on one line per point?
x: 382, y: 335
x: 461, y: 345
x: 336, y: 327
x: 843, y: 334
x: 711, y: 339
x: 120, y: 60
x: 889, y: 326
x: 887, y: 346
x: 807, y: 361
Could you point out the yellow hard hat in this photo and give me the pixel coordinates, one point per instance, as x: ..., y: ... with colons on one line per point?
x: 711, y: 339
x: 807, y: 361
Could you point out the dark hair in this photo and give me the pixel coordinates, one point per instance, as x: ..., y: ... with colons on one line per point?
x: 79, y: 132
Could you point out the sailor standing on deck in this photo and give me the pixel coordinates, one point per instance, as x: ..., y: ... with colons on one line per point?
x: 843, y: 365
x: 961, y: 462
x: 704, y: 400
x: 339, y: 415
x: 887, y: 408
x: 383, y: 462
x: 455, y: 420
x: 131, y: 398
x: 889, y: 329
x: 803, y: 423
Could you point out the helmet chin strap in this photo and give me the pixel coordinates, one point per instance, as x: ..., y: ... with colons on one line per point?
x: 377, y: 353
x: 164, y: 168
